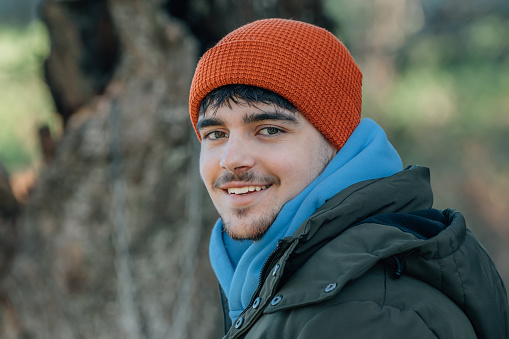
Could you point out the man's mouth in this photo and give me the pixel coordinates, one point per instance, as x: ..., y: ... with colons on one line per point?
x: 246, y: 189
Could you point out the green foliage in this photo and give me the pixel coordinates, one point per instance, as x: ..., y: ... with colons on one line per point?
x: 25, y: 102
x: 459, y: 77
x: 448, y: 71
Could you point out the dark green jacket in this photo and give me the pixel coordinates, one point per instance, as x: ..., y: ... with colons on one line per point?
x: 366, y: 265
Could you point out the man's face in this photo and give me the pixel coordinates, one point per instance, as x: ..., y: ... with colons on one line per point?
x: 254, y: 159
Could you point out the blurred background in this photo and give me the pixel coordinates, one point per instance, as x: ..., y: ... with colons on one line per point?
x: 104, y: 224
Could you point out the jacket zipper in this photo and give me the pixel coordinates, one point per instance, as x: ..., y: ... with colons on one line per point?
x: 263, y: 276
x: 263, y: 272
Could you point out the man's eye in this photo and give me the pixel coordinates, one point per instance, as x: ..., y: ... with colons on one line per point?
x: 270, y: 131
x: 215, y: 135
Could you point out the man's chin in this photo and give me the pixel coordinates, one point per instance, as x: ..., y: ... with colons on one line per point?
x: 248, y: 228
x: 245, y: 224
x: 245, y: 232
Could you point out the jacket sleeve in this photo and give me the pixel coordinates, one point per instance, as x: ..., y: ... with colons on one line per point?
x: 365, y: 319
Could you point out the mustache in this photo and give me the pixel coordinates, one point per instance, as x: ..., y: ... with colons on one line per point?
x: 245, y: 177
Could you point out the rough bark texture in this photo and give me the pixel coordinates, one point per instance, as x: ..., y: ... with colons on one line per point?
x: 9, y: 210
x: 211, y: 20
x: 113, y: 242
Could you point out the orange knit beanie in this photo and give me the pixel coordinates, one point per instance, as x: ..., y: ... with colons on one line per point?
x: 303, y: 63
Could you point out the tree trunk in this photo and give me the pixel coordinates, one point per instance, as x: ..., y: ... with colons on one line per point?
x: 114, y: 239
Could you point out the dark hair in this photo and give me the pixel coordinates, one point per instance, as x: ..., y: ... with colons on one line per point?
x: 221, y: 96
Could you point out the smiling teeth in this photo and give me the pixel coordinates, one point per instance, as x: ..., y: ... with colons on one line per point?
x: 243, y: 190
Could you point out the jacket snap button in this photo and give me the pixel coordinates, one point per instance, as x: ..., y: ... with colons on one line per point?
x: 276, y: 300
x: 239, y: 322
x: 256, y: 302
x: 330, y: 287
x: 276, y: 268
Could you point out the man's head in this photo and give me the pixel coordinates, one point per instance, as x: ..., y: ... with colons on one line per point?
x: 272, y: 103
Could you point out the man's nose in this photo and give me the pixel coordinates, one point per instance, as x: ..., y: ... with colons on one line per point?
x: 237, y: 155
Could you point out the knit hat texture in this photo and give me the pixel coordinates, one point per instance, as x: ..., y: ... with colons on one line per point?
x: 305, y: 64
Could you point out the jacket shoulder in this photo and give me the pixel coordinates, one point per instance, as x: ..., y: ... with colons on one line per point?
x: 373, y: 304
x: 366, y: 319
x: 393, y: 308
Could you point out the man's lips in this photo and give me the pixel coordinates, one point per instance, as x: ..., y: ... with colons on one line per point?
x: 245, y: 189
x: 241, y: 194
x: 244, y: 184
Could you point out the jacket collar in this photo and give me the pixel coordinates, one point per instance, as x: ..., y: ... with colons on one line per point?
x: 405, y: 191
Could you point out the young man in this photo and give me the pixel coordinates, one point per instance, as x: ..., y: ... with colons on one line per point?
x: 322, y: 234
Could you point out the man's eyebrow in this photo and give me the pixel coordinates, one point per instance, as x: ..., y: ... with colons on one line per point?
x: 257, y: 117
x: 207, y: 122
